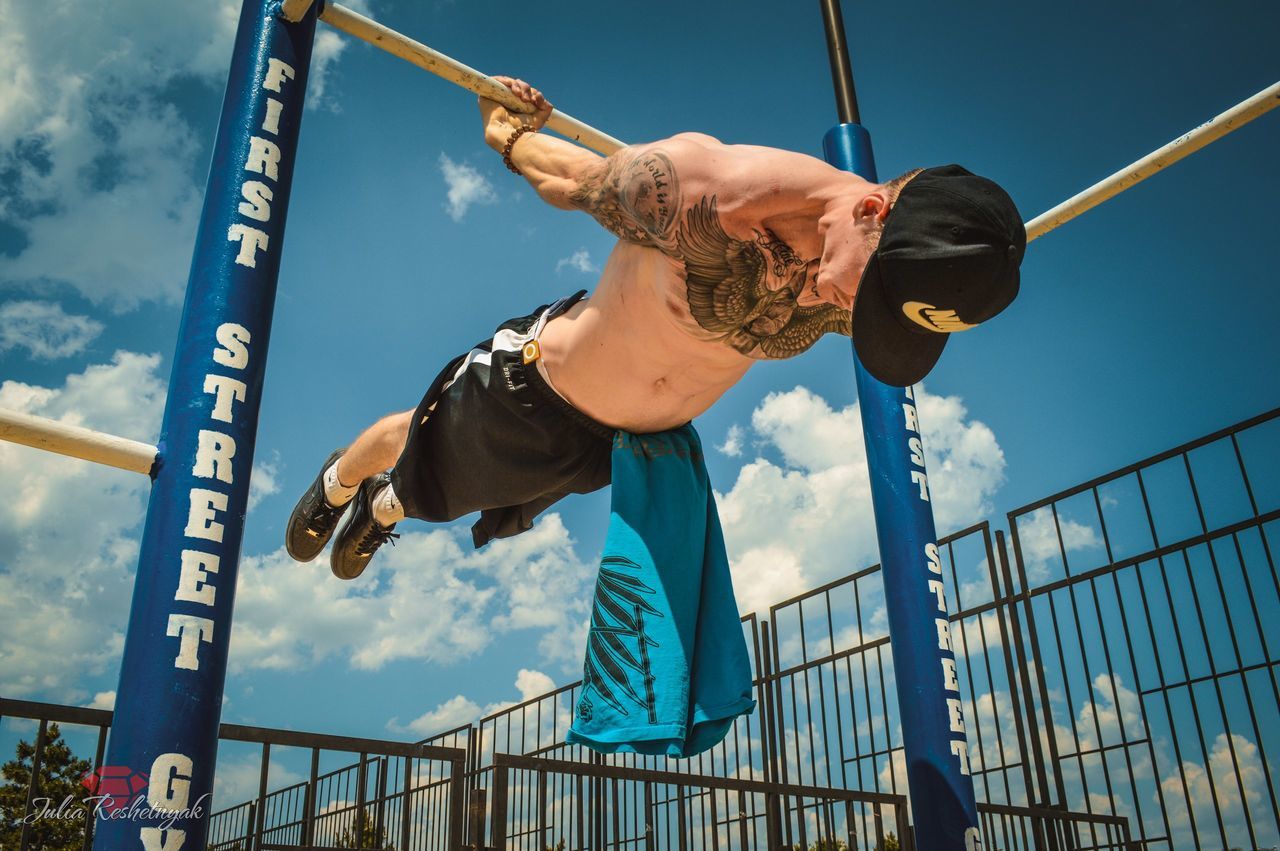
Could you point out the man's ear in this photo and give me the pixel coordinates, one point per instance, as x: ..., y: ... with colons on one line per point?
x: 873, y: 208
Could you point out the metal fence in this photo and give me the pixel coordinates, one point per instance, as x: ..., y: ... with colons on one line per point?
x: 396, y: 795
x: 1117, y: 651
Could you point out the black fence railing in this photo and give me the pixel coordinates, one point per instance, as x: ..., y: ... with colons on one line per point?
x: 1120, y: 659
x: 397, y: 795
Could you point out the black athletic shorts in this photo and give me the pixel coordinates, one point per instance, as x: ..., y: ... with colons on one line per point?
x: 490, y: 435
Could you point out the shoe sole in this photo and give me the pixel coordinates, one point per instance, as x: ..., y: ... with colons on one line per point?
x: 295, y: 516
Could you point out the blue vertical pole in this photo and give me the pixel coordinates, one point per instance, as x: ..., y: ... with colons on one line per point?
x: 169, y: 700
x: 944, y: 809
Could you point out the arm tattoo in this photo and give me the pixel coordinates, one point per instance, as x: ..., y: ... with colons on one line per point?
x: 635, y: 196
x: 745, y: 291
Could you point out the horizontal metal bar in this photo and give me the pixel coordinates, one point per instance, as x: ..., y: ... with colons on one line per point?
x: 1051, y: 814
x: 56, y: 712
x: 236, y: 732
x: 1131, y: 175
x: 76, y: 441
x: 379, y: 747
x: 503, y: 761
x: 367, y: 29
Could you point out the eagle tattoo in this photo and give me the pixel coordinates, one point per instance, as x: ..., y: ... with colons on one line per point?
x: 746, y: 290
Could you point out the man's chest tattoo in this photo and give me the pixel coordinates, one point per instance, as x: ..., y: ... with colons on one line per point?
x: 742, y: 291
x: 747, y: 290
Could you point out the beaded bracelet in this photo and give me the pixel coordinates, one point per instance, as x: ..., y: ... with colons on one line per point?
x: 511, y: 141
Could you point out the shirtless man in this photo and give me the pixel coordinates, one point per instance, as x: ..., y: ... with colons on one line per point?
x: 727, y: 255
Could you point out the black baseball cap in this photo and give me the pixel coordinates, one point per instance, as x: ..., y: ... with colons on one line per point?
x: 947, y: 261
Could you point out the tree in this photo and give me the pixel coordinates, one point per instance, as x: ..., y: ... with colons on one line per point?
x: 60, y: 774
x: 891, y: 842
x: 826, y: 845
x: 369, y: 838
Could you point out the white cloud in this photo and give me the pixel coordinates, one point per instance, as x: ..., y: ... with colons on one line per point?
x: 103, y: 700
x: 292, y: 616
x: 459, y: 709
x: 262, y: 481
x: 732, y: 445
x: 100, y: 157
x: 68, y: 531
x: 466, y: 186
x: 807, y: 519
x: 236, y: 778
x: 1217, y: 783
x: 579, y: 260
x: 45, y: 330
x: 1038, y: 537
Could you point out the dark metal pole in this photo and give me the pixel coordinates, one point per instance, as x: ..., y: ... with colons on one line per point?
x: 925, y: 668
x: 841, y: 69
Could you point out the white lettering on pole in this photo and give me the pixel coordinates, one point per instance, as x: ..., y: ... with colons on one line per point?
x: 201, y: 518
x: 272, y: 122
x: 193, y: 581
x: 909, y: 414
x: 933, y: 558
x: 234, y: 341
x: 155, y: 839
x: 251, y: 242
x: 169, y: 784
x: 264, y: 157
x: 961, y: 750
x: 257, y: 200
x: 213, y: 456
x: 923, y: 481
x: 944, y: 633
x: 277, y: 73
x: 936, y: 587
x: 226, y: 390
x: 955, y: 714
x: 917, y: 451
x: 949, y: 679
x: 190, y: 632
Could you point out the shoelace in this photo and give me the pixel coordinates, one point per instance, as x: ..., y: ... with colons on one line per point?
x: 374, y: 538
x: 325, y: 517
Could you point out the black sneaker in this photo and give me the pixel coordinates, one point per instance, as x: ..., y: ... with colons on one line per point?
x: 361, y: 536
x: 313, y: 519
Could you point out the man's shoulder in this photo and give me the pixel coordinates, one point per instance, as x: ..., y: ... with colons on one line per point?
x: 692, y: 136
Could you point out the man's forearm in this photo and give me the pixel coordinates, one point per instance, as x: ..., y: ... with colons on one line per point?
x: 552, y: 166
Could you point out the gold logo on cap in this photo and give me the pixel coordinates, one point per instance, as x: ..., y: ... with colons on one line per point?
x: 931, y: 318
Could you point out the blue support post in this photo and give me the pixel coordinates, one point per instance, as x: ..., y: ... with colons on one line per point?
x: 169, y: 700
x: 929, y: 703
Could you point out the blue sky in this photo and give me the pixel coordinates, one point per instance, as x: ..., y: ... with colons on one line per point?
x: 1145, y: 323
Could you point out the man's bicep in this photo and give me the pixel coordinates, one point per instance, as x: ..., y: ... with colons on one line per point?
x: 634, y: 193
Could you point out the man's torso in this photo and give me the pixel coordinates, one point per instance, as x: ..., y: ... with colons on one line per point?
x: 714, y: 271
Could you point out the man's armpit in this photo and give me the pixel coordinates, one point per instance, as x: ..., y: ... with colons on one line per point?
x: 636, y: 196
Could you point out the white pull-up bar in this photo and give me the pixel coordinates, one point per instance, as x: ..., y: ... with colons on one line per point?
x: 1185, y: 145
x: 76, y: 441
x: 353, y: 23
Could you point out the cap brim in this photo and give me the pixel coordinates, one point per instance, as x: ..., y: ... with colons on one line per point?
x: 892, y: 353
